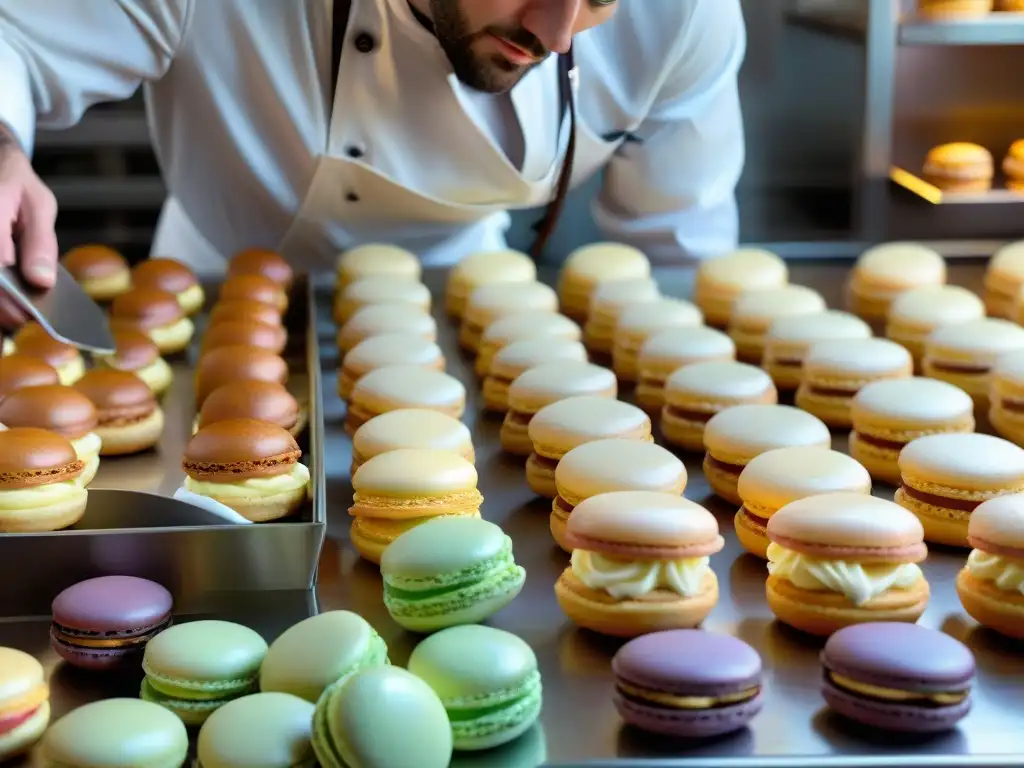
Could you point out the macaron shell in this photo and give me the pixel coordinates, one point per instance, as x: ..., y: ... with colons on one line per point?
x: 20, y: 674
x: 550, y: 382
x: 979, y: 342
x: 723, y: 381
x: 899, y: 265
x: 738, y: 434
x: 894, y: 717
x: 111, y: 604
x: 398, y: 386
x: 688, y: 724
x: 775, y: 478
x: 931, y: 306
x: 914, y: 403
x: 855, y: 360
x: 415, y: 472
x: 760, y: 308
x: 997, y: 526
x: 641, y: 320
x: 205, y: 651
x: 618, y: 465
x: 263, y: 730
x: 562, y: 426
x: 745, y: 269
x: 412, y: 428
x: 606, y: 261
x: 443, y: 545
x: 966, y: 461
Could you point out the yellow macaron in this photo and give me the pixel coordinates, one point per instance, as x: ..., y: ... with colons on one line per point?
x: 608, y: 303
x: 638, y: 323
x: 959, y: 166
x: 589, y: 266
x: 666, y: 352
x: 376, y: 260
x: 753, y: 314
x: 411, y: 428
x: 885, y: 271
x: 1006, y: 397
x: 485, y: 268
x: 490, y: 303
x: 915, y: 315
x: 790, y: 338
x: 1004, y: 278
x: 368, y: 291
x: 403, y: 386
x: 528, y: 325
x: 381, y: 319
x: 520, y: 356
x: 384, y: 351
x: 720, y: 281
x: 965, y: 354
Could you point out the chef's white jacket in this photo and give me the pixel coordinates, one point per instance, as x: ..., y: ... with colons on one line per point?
x: 256, y: 151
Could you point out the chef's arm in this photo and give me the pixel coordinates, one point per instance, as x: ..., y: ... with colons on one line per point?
x: 672, y: 193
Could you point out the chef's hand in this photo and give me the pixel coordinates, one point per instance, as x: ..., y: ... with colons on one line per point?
x: 28, y: 211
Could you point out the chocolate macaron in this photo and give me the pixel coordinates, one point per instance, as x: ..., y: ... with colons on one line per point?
x: 102, y: 272
x: 252, y: 287
x: 237, y: 363
x: 129, y: 419
x: 32, y: 340
x: 250, y: 333
x: 253, y: 399
x: 157, y: 314
x: 261, y: 261
x: 244, y: 309
x: 17, y: 371
x: 39, y: 488
x: 171, y: 276
x: 136, y: 353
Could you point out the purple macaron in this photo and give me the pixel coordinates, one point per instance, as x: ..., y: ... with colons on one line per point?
x: 900, y: 677
x: 101, y: 623
x: 687, y: 683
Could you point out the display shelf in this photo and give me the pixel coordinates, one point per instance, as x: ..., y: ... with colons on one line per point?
x: 120, y: 128
x: 995, y: 29
x: 912, y: 182
x: 840, y: 23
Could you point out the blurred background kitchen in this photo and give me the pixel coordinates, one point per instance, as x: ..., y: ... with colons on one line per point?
x: 838, y: 96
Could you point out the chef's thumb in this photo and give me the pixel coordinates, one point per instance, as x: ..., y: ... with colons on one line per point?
x: 37, y: 244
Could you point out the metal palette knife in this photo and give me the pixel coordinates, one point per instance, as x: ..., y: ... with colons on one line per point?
x: 64, y: 311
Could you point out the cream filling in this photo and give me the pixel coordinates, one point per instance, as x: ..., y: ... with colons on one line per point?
x: 156, y: 374
x: 8, y: 347
x: 88, y: 446
x: 1006, y: 574
x: 39, y: 495
x: 191, y: 297
x: 259, y: 487
x: 170, y: 334
x: 859, y: 583
x: 630, y: 579
x: 71, y: 371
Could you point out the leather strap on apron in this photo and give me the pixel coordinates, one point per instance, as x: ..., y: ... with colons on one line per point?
x: 566, y: 63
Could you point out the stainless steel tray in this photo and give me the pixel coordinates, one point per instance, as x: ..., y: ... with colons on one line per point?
x: 150, y: 535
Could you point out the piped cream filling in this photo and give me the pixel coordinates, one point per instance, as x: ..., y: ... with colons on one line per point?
x: 71, y: 371
x: 859, y: 583
x: 39, y: 495
x: 630, y: 579
x: 893, y: 694
x: 1005, y: 574
x: 191, y: 297
x: 8, y: 347
x: 173, y: 333
x: 88, y: 446
x: 259, y: 487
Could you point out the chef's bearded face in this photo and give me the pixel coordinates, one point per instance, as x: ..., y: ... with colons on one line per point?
x: 492, y: 44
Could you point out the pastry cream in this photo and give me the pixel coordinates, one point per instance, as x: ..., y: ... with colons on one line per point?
x: 174, y: 333
x: 297, y: 477
x: 1006, y: 574
x: 8, y: 347
x: 155, y: 375
x: 687, y: 702
x: 630, y: 579
x: 88, y: 446
x: 191, y: 297
x: 892, y: 694
x: 39, y: 495
x: 859, y: 583
x: 71, y: 371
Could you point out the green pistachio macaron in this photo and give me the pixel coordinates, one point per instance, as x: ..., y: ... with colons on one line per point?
x: 381, y: 717
x: 487, y: 680
x: 262, y: 730
x: 194, y: 668
x: 319, y: 651
x: 116, y: 733
x: 449, y: 571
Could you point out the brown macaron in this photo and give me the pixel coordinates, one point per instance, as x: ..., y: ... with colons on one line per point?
x: 129, y: 418
x: 245, y: 310
x: 224, y: 365
x: 155, y: 312
x: 17, y: 371
x: 260, y: 400
x: 137, y: 353
x: 249, y: 333
x: 102, y: 272
x: 254, y: 288
x: 32, y: 340
x: 260, y: 261
x: 171, y: 276
x: 30, y: 458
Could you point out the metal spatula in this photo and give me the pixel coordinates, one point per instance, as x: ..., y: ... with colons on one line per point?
x: 65, y: 311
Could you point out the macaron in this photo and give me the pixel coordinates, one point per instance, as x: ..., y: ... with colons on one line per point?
x: 639, y: 323
x: 753, y: 314
x: 376, y: 260
x: 560, y: 427
x: 694, y: 394
x: 720, y: 281
x: 157, y: 314
x: 411, y: 428
x: 607, y: 304
x: 885, y: 271
x: 1013, y: 161
x: 171, y: 276
x: 956, y: 10
x: 368, y: 291
x: 236, y: 363
x: 251, y: 466
x: 775, y: 478
x: 102, y: 272
x: 254, y: 288
x: 959, y: 166
x: 517, y: 358
x: 544, y: 385
x: 531, y: 325
x: 59, y: 409
x: 640, y: 563
x: 384, y: 351
x: 449, y: 571
x: 380, y: 319
x: 965, y: 354
x: 136, y: 353
x: 733, y: 437
x: 687, y: 683
x: 247, y: 310
x: 915, y: 314
x: 104, y: 623
x: 485, y: 268
x: 945, y: 477
x: 1006, y: 397
x: 400, y: 489
x: 318, y: 651
x: 17, y: 371
x: 898, y: 677
x: 261, y: 261
x: 194, y: 668
x: 487, y: 680
x: 666, y: 352
x: 128, y: 417
x: 833, y: 374
x: 591, y: 265
x: 1004, y: 277
x: 403, y: 386
x: 838, y: 559
x: 607, y: 466
x: 490, y: 303
x: 32, y: 340
x: 269, y: 336
x: 116, y: 733
x: 253, y: 399
x: 382, y: 717
x: 24, y: 702
x: 39, y: 477
x: 262, y: 729
x: 790, y: 338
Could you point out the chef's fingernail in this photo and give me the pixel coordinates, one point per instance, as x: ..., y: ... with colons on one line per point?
x: 40, y: 271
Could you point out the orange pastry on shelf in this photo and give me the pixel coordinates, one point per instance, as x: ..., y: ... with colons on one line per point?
x: 954, y: 10
x: 1013, y: 163
x: 959, y: 166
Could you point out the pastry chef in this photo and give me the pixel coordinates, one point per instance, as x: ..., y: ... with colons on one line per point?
x: 311, y: 127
